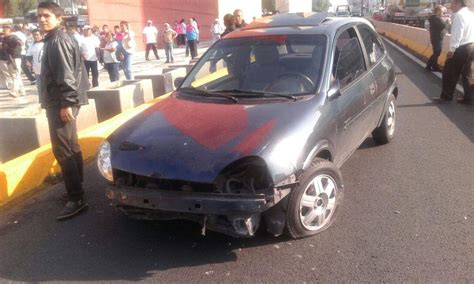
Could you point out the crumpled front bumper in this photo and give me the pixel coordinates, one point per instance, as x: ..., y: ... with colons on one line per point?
x: 190, y: 202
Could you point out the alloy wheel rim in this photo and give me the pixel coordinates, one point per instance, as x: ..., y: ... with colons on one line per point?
x: 391, y: 118
x: 318, y: 202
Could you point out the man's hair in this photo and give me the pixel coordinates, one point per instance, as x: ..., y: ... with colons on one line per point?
x: 37, y: 31
x: 105, y: 26
x: 228, y: 20
x: 438, y: 8
x: 52, y: 7
x: 238, y: 10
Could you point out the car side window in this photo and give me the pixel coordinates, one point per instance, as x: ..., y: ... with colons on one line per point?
x: 373, y: 46
x: 348, y: 58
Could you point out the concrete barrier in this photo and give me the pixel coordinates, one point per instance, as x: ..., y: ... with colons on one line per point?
x: 30, y: 128
x: 170, y: 76
x: 113, y: 98
x: 156, y: 81
x: 163, y: 83
x: 28, y: 171
x: 416, y: 40
x: 172, y: 67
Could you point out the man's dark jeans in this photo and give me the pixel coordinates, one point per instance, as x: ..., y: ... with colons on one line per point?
x: 113, y: 70
x: 460, y: 63
x: 147, y: 51
x: 67, y: 151
x: 26, y: 69
x: 437, y: 46
x: 92, y: 67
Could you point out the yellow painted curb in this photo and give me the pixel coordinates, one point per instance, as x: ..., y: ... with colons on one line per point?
x: 27, y: 172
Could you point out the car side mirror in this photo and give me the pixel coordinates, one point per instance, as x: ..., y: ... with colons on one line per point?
x: 334, y: 90
x: 178, y: 81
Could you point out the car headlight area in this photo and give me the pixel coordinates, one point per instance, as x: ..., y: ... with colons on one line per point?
x: 103, y: 161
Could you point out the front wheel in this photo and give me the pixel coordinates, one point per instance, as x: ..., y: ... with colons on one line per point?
x: 385, y: 132
x: 314, y: 203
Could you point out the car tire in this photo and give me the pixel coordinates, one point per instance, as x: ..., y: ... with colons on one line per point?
x: 385, y: 132
x: 313, y: 204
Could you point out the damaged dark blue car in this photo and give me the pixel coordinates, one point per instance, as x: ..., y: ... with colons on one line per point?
x: 257, y: 131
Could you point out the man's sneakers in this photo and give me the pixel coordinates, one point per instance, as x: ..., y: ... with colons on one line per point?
x: 466, y: 102
x: 72, y: 209
x: 440, y: 100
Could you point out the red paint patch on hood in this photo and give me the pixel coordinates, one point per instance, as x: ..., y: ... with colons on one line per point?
x: 255, y: 139
x: 211, y: 125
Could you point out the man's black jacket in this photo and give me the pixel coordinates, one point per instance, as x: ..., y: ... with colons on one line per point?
x: 437, y: 28
x: 64, y: 81
x: 12, y: 46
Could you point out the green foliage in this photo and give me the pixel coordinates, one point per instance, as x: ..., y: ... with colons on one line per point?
x: 19, y: 8
x: 321, y: 5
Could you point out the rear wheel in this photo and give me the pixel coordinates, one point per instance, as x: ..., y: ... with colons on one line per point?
x: 385, y: 132
x: 314, y: 203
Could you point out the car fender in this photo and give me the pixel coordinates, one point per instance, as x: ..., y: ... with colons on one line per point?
x: 323, y: 145
x: 392, y: 90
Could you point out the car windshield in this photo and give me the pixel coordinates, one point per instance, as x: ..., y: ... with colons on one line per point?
x: 279, y: 65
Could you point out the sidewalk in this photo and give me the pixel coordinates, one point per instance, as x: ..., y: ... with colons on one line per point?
x: 28, y: 105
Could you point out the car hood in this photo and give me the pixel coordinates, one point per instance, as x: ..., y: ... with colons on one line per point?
x: 194, y: 140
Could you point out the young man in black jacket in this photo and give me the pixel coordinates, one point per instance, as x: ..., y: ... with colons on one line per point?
x: 64, y: 84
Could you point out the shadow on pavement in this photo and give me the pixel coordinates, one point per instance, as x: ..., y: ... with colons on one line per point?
x: 430, y: 86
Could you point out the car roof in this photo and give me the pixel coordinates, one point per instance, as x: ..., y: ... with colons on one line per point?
x: 296, y: 23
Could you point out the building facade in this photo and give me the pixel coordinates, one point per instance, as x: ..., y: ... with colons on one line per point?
x: 138, y: 12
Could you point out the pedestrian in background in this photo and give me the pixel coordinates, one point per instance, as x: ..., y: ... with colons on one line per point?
x: 168, y: 38
x: 12, y: 47
x: 437, y: 33
x: 118, y: 34
x: 216, y: 30
x: 63, y: 91
x: 461, y: 54
x: 182, y: 33
x: 18, y: 32
x: 229, y: 23
x: 111, y: 62
x: 90, y: 51
x: 239, y: 19
x: 150, y: 34
x: 5, y: 79
x: 35, y: 53
x: 191, y: 38
x: 127, y: 48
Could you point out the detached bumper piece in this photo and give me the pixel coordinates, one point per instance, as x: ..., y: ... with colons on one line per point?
x: 200, y: 203
x: 231, y: 214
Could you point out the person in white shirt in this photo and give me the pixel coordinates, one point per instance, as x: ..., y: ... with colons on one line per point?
x: 150, y: 33
x: 110, y: 60
x: 89, y: 50
x: 216, y: 30
x: 19, y: 34
x: 461, y: 54
x: 35, y: 52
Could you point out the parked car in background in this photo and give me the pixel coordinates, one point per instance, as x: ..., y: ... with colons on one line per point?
x: 257, y: 131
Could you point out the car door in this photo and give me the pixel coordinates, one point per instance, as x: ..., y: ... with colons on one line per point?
x: 356, y: 84
x: 380, y: 69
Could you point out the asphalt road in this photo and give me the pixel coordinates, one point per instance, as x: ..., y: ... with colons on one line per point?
x: 407, y: 216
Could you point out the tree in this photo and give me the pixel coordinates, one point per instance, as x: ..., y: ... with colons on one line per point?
x: 321, y: 5
x: 19, y: 8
